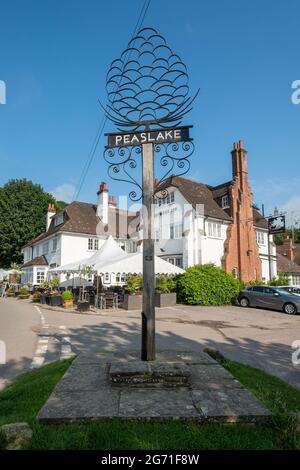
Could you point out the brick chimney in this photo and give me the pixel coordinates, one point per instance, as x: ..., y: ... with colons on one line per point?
x: 241, y: 253
x: 50, y: 213
x: 288, y: 248
x: 102, y: 206
x: 111, y: 202
x: 239, y: 164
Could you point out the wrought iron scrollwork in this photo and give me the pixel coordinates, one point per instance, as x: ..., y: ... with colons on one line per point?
x: 174, y: 158
x: 148, y: 85
x: 122, y: 163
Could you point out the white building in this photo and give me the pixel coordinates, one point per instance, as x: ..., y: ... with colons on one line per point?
x: 195, y: 223
x: 75, y: 233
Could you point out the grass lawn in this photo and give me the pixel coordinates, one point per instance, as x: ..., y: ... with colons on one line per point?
x: 22, y: 400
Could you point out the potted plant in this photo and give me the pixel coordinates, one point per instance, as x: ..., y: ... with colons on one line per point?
x: 36, y: 297
x: 83, y: 305
x: 67, y: 298
x: 55, y: 299
x: 10, y: 292
x: 45, y: 297
x: 164, y: 291
x: 133, y: 298
x: 23, y: 293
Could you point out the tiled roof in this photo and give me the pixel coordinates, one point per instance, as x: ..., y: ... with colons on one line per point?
x: 259, y: 220
x: 38, y: 261
x: 81, y: 217
x: 285, y: 265
x: 197, y: 193
x: 282, y: 249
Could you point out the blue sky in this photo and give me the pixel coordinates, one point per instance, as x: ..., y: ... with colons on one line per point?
x: 244, y: 56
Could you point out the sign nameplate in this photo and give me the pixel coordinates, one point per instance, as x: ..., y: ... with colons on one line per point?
x: 156, y: 136
x: 276, y: 224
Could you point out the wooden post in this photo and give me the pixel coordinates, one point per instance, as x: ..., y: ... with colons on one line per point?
x: 148, y: 313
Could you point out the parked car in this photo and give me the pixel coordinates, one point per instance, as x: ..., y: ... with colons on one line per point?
x: 270, y: 297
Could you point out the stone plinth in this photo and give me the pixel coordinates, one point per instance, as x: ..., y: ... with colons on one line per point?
x: 178, y: 386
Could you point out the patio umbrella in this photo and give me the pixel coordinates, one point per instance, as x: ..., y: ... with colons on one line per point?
x: 133, y: 264
x: 109, y: 251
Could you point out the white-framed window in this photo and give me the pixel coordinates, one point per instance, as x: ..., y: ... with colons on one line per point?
x: 96, y: 244
x: 260, y: 237
x: 175, y: 231
x: 46, y: 248
x: 177, y: 261
x: 90, y: 244
x: 296, y: 279
x: 40, y: 276
x: 54, y: 244
x: 214, y: 230
x: 106, y: 278
x: 172, y: 197
x: 120, y: 277
x: 225, y: 202
x: 59, y: 219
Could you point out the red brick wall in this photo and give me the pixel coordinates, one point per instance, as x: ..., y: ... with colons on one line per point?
x: 241, y: 249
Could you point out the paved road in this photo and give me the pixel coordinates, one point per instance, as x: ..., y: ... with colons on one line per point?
x: 19, y: 324
x: 257, y: 337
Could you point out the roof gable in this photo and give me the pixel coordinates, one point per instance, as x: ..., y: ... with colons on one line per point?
x: 81, y: 218
x: 196, y: 193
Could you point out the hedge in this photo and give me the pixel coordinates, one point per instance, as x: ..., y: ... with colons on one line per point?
x: 207, y: 285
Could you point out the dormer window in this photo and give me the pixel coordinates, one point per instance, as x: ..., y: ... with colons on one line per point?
x: 58, y: 219
x: 225, y: 202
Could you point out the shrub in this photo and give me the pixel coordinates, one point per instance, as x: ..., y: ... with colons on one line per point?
x: 36, y: 297
x: 281, y: 280
x: 134, y: 283
x: 67, y: 295
x: 207, y: 285
x: 165, y: 284
x: 257, y: 282
x: 23, y: 291
x: 54, y: 283
x: 45, y: 285
x: 10, y: 290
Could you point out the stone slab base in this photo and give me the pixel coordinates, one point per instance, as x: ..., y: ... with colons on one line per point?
x: 210, y: 393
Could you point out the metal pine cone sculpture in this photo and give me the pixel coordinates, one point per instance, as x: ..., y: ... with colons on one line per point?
x: 148, y: 85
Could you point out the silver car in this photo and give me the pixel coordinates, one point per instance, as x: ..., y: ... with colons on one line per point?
x: 270, y: 297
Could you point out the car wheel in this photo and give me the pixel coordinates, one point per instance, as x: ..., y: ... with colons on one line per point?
x: 244, y: 302
x: 290, y: 309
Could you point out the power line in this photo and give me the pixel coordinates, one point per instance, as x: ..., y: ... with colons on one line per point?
x: 101, y: 127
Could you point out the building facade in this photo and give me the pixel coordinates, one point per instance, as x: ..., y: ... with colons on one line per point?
x: 197, y: 223
x: 194, y: 223
x: 75, y: 233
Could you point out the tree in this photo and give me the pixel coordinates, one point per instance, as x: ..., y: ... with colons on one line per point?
x: 279, y: 238
x: 23, y: 209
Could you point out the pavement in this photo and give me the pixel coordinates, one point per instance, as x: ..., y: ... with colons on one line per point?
x: 261, y: 338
